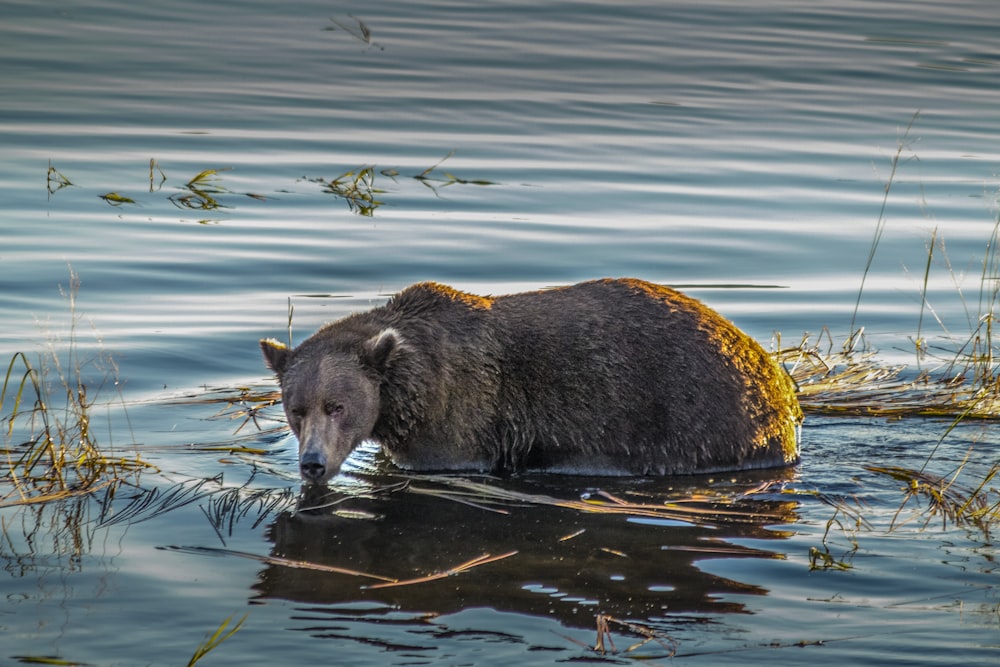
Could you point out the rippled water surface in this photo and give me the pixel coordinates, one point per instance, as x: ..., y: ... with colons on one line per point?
x: 208, y: 171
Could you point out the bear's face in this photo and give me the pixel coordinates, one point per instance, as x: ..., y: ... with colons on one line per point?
x: 331, y: 398
x: 331, y: 407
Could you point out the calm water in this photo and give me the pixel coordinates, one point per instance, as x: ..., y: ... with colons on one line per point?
x: 740, y: 150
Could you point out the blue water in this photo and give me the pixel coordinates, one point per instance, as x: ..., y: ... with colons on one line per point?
x: 740, y: 151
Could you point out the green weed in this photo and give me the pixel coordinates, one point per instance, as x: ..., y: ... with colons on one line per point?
x: 357, y: 188
x: 214, y: 640
x: 55, y: 181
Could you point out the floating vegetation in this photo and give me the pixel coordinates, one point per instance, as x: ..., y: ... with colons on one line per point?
x: 116, y: 199
x: 850, y: 519
x: 446, y: 178
x: 205, y: 192
x: 213, y: 641
x: 964, y: 386
x: 154, y: 166
x: 357, y: 188
x: 55, y: 181
x: 47, y: 660
x: 245, y: 403
x: 201, y: 192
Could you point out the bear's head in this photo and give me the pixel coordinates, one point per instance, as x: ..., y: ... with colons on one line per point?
x: 330, y: 392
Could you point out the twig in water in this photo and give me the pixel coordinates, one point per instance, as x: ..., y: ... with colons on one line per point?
x: 283, y: 562
x: 468, y: 565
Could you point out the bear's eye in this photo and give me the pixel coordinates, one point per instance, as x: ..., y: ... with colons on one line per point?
x: 333, y: 408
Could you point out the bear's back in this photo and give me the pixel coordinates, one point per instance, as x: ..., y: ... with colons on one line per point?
x: 608, y: 377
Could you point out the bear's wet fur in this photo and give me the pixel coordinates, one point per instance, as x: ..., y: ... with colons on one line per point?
x: 608, y: 377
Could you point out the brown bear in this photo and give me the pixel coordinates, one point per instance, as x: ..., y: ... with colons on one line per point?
x: 608, y: 377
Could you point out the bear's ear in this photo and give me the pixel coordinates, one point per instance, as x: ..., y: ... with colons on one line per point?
x: 379, y: 349
x: 275, y: 355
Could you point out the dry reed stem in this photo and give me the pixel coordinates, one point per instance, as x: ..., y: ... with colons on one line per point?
x: 604, y: 623
x: 846, y: 383
x: 474, y: 493
x: 64, y: 494
x: 283, y: 562
x: 458, y: 569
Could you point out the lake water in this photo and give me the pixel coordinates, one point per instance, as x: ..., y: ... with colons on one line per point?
x: 738, y: 150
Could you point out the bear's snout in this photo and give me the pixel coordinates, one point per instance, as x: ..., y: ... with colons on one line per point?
x: 313, y: 466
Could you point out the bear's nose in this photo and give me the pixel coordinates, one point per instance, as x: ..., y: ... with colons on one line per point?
x: 312, y: 467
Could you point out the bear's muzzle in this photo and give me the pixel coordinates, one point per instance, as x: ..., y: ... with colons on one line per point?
x: 312, y: 466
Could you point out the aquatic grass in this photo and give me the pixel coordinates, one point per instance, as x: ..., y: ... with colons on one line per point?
x: 880, y: 224
x: 965, y: 386
x: 229, y: 507
x: 205, y: 191
x: 152, y: 502
x: 357, y: 188
x: 201, y: 192
x: 604, y: 637
x: 51, y: 451
x: 223, y: 506
x: 55, y: 180
x: 214, y: 640
x: 954, y: 502
x: 850, y: 383
x: 116, y: 199
x: 605, y: 642
x: 243, y: 403
x: 850, y: 520
x: 155, y: 167
x: 47, y: 660
x: 446, y: 178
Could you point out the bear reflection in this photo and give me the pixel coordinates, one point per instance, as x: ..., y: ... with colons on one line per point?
x: 569, y: 564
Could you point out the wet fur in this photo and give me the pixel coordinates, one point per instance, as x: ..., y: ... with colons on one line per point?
x: 612, y: 377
